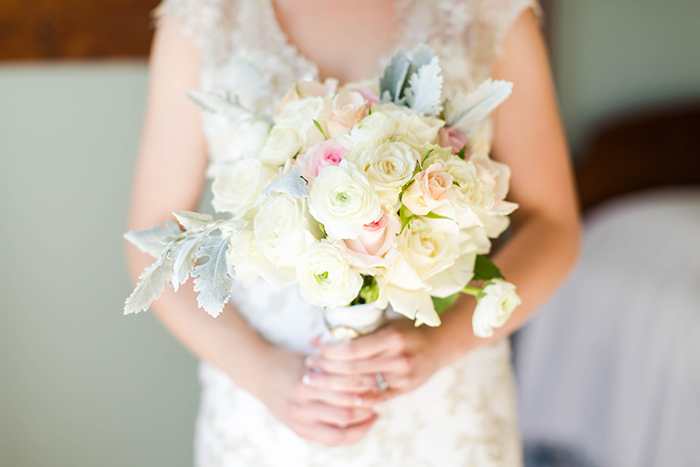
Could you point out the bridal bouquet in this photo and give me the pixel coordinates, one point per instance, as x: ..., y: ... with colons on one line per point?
x: 374, y: 193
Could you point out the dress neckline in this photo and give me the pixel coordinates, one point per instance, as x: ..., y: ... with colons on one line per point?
x: 400, y: 8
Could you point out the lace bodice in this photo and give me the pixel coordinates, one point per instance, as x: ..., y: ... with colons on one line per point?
x: 467, y: 35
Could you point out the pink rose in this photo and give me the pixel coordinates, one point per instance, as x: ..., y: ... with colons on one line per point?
x: 367, y: 93
x: 451, y: 138
x: 376, y: 239
x: 303, y: 89
x: 430, y: 189
x: 347, y: 109
x: 497, y: 176
x: 318, y: 156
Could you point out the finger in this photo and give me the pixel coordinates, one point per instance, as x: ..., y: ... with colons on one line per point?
x: 389, y: 340
x: 399, y: 364
x: 319, y: 412
x: 345, y: 399
x: 354, y: 383
x: 332, y: 436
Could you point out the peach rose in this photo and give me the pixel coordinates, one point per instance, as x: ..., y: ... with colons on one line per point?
x: 451, y: 138
x: 430, y: 189
x: 320, y: 155
x: 376, y: 239
x: 347, y: 109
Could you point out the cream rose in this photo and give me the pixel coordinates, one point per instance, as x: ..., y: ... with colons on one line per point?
x: 284, y: 230
x: 346, y: 110
x: 303, y: 89
x: 412, y: 128
x: 428, y: 250
x: 325, y: 277
x: 240, y: 255
x: 370, y: 129
x: 430, y: 189
x: 343, y: 200
x: 497, y: 176
x: 494, y: 308
x: 473, y: 195
x: 239, y: 188
x: 389, y: 166
x: 281, y: 146
x: 300, y: 115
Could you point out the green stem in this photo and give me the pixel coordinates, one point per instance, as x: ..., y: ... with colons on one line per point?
x: 471, y: 291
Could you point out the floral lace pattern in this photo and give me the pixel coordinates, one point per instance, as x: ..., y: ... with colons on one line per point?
x: 465, y: 415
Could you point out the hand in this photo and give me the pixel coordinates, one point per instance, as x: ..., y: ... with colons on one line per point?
x: 406, y: 357
x: 330, y: 417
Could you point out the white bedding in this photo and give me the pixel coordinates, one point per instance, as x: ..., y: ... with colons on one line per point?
x: 610, y: 367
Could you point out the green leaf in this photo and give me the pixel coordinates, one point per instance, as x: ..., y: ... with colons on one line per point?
x: 154, y: 240
x: 425, y: 158
x: 296, y: 87
x: 432, y: 215
x: 391, y: 82
x: 485, y: 270
x: 406, y: 217
x: 214, y: 279
x: 442, y: 304
x: 462, y: 152
x: 318, y: 125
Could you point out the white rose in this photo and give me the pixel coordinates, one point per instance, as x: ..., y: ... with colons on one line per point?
x: 232, y: 140
x: 494, y: 308
x: 300, y: 115
x: 284, y: 230
x: 497, y: 176
x: 239, y: 187
x: 374, y: 127
x: 325, y: 277
x: 389, y: 166
x: 429, y: 249
x: 473, y: 195
x: 412, y: 127
x: 282, y: 145
x: 343, y: 200
x: 240, y: 255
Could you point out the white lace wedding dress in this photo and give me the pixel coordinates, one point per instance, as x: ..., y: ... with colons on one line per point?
x: 465, y: 415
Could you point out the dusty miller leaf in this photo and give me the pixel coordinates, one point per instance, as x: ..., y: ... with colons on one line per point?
x: 193, y: 220
x: 213, y: 279
x: 154, y: 240
x: 292, y: 184
x: 252, y: 75
x: 465, y: 112
x: 150, y: 286
x: 421, y: 55
x: 217, y: 104
x: 425, y: 88
x: 393, y: 77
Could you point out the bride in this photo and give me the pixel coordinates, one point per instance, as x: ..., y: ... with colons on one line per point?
x: 271, y: 395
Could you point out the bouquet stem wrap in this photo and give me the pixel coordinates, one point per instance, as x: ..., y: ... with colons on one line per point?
x: 350, y: 322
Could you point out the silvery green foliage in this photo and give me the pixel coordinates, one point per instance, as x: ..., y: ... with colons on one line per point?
x: 154, y: 240
x: 465, y: 112
x: 393, y: 77
x: 421, y: 55
x: 177, y: 253
x: 292, y: 184
x: 222, y: 105
x: 253, y: 76
x: 213, y: 279
x: 425, y: 88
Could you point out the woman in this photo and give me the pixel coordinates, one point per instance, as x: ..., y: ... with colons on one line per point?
x: 451, y: 396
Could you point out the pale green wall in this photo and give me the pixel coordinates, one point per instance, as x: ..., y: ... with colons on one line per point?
x: 82, y: 385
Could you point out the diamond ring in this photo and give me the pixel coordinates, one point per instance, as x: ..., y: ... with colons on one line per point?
x: 381, y: 384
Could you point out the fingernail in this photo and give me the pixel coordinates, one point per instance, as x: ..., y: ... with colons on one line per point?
x: 342, y: 426
x: 307, y: 361
x: 305, y: 380
x: 357, y: 400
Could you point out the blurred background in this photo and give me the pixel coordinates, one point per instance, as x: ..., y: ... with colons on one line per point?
x: 609, y: 370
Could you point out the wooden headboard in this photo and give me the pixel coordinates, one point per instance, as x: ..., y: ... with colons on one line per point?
x: 651, y: 148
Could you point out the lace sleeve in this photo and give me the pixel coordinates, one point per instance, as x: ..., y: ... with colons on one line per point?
x: 499, y: 16
x: 208, y: 22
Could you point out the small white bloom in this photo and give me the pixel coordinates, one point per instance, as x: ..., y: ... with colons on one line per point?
x: 343, y: 200
x: 239, y: 187
x: 494, y: 308
x: 325, y: 277
x: 281, y: 146
x: 389, y: 166
x: 300, y: 115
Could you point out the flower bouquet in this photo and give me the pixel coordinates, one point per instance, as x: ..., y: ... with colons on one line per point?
x: 369, y: 195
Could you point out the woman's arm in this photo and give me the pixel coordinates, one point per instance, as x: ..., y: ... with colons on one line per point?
x: 170, y: 176
x: 537, y: 257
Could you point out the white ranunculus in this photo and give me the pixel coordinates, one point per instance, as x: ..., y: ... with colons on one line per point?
x: 370, y: 129
x: 300, y: 115
x: 284, y: 230
x: 494, y: 308
x: 239, y: 187
x: 282, y: 145
x: 343, y: 200
x: 389, y: 166
x: 325, y: 277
